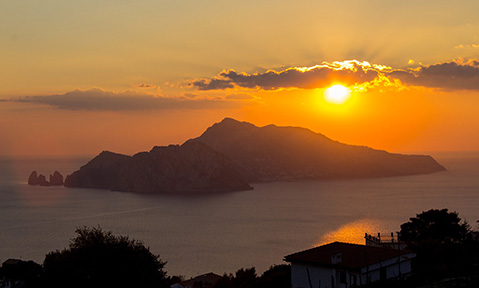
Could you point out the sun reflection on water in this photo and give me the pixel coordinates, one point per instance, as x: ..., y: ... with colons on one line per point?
x: 352, y: 232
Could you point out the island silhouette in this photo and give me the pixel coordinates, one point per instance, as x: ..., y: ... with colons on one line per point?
x: 231, y: 154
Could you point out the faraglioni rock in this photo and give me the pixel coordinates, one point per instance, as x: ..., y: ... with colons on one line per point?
x: 192, y: 167
x: 273, y: 153
x: 42, y: 180
x: 56, y: 178
x: 33, y: 178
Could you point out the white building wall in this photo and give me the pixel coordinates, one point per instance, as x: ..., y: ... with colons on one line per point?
x: 406, y: 266
x: 319, y: 276
x: 372, y: 273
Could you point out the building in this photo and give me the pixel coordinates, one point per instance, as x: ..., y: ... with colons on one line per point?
x: 202, y: 281
x: 343, y: 265
x: 385, y: 241
x: 9, y: 268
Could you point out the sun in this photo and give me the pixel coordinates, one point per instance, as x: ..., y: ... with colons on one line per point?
x: 336, y: 94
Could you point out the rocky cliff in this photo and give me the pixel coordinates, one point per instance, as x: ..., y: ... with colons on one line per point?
x: 191, y: 167
x: 288, y: 153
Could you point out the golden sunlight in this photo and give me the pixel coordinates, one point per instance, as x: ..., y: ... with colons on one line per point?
x: 336, y: 94
x: 352, y: 232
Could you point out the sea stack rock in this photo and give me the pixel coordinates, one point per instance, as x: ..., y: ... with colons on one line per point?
x: 42, y: 181
x: 33, y: 179
x: 56, y: 178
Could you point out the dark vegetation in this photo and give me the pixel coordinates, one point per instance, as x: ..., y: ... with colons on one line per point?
x: 278, y: 276
x: 97, y: 258
x: 447, y: 249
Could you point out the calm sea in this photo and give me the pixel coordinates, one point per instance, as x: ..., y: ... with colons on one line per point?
x: 222, y: 233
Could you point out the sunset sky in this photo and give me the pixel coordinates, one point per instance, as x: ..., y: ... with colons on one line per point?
x: 79, y: 77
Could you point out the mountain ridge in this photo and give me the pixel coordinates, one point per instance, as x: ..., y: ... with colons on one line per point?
x: 271, y: 153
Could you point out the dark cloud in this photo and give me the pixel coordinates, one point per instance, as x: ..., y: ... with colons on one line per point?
x: 455, y: 75
x: 100, y: 100
x: 190, y: 95
x: 213, y: 84
x: 448, y: 75
x: 348, y: 73
x: 145, y: 86
x: 241, y: 96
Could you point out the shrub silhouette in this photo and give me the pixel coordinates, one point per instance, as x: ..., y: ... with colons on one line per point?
x: 97, y: 258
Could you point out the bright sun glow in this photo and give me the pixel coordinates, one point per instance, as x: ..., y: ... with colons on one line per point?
x: 337, y: 94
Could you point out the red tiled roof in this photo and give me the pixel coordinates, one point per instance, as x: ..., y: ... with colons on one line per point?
x: 12, y: 262
x: 353, y: 256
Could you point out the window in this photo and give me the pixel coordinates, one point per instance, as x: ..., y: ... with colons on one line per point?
x: 342, y: 277
x: 382, y: 273
x: 354, y: 280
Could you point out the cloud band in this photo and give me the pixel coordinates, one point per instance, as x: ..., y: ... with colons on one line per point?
x: 100, y: 100
x: 448, y: 75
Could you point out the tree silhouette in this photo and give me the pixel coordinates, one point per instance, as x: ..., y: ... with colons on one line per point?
x: 97, y: 258
x: 442, y: 242
x: 434, y: 227
x: 278, y: 276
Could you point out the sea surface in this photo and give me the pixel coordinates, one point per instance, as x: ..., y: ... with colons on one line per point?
x: 224, y: 232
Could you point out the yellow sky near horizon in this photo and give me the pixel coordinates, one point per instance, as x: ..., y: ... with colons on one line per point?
x: 82, y: 77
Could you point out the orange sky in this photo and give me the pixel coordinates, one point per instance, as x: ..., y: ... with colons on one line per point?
x: 79, y: 78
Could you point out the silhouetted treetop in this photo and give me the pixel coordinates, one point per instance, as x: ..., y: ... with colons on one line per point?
x: 97, y: 258
x: 443, y: 243
x: 278, y: 276
x: 439, y: 226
